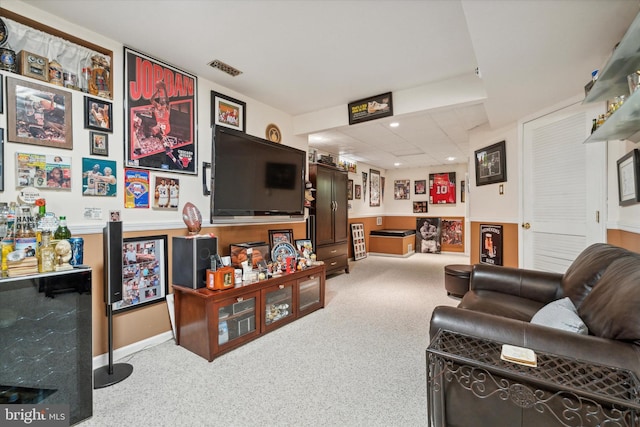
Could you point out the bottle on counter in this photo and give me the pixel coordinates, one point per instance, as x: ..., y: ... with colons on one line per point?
x: 46, y: 263
x: 62, y: 232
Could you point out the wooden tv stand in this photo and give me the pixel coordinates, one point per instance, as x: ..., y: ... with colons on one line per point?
x: 210, y: 323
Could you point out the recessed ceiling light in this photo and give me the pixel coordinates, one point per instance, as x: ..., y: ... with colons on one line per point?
x: 394, y: 124
x: 397, y: 164
x: 451, y: 159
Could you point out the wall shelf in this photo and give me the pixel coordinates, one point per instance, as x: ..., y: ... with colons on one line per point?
x: 612, y: 82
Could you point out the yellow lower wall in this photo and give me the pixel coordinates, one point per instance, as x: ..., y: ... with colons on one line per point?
x: 137, y: 325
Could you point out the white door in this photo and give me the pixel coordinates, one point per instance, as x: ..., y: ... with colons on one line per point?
x: 564, y: 188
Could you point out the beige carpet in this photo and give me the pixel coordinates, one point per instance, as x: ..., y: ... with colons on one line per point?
x: 360, y: 361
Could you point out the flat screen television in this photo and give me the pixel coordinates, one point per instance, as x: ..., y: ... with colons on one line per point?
x: 254, y: 177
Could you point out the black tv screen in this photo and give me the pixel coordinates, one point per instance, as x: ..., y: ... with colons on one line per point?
x: 251, y: 176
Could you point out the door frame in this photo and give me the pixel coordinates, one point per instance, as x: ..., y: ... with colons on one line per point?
x: 596, y: 155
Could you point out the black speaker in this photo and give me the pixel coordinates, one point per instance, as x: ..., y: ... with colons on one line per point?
x: 191, y: 257
x: 112, y: 250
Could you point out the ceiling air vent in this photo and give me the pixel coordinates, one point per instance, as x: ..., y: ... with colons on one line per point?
x: 225, y: 68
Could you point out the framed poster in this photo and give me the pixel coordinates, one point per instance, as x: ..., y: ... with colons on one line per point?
x: 371, y: 108
x: 401, y: 189
x: 452, y: 235
x: 420, y: 186
x: 491, y: 164
x: 442, y: 188
x: 50, y: 172
x: 350, y: 189
x: 374, y: 188
x: 136, y: 184
x: 160, y: 115
x: 38, y: 115
x: 98, y: 177
x: 364, y: 186
x: 428, y: 234
x: 144, y: 272
x: 98, y: 114
x: 420, y: 207
x: 99, y: 142
x: 629, y: 178
x: 491, y: 244
x: 166, y: 195
x: 280, y: 236
x: 358, y: 191
x: 228, y: 112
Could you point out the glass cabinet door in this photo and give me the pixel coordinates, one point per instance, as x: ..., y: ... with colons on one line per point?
x: 236, y: 318
x: 309, y: 293
x: 278, y: 303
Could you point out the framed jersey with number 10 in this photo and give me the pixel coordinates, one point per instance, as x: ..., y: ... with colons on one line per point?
x: 442, y: 188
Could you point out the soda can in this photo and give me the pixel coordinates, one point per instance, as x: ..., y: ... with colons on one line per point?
x: 77, y: 250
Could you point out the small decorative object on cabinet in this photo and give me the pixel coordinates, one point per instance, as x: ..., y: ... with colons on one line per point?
x: 210, y: 323
x: 330, y: 214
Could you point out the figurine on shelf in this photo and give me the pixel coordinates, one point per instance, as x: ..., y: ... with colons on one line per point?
x: 63, y: 255
x: 99, y: 82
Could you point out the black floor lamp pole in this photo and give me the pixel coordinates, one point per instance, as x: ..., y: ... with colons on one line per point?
x: 110, y: 374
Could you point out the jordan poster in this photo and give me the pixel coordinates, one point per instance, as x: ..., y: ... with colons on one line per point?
x: 160, y: 115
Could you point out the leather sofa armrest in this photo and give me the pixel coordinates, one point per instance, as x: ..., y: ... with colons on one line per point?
x: 588, y: 348
x: 539, y: 286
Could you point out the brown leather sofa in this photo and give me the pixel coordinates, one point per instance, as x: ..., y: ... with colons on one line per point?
x: 604, y: 285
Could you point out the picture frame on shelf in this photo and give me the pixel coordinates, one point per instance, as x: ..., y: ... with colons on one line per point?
x: 629, y: 178
x: 303, y: 245
x: 491, y: 164
x: 145, y: 272
x: 280, y: 236
x: 38, y: 115
x: 98, y: 114
x: 99, y: 143
x: 160, y: 115
x: 228, y: 112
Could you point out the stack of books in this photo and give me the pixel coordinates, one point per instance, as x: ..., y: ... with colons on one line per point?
x: 23, y: 267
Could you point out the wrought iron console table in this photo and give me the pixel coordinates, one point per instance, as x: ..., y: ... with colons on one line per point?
x: 562, y: 390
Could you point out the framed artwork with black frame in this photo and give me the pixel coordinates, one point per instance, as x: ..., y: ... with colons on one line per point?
x: 374, y: 188
x: 228, y: 112
x: 38, y: 115
x: 99, y: 143
x: 629, y: 178
x: 350, y: 189
x: 491, y: 164
x: 98, y: 114
x: 160, y: 115
x: 1, y: 95
x: 280, y: 236
x: 144, y: 272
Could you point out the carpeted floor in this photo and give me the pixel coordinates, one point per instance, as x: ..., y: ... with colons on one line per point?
x: 360, y: 361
